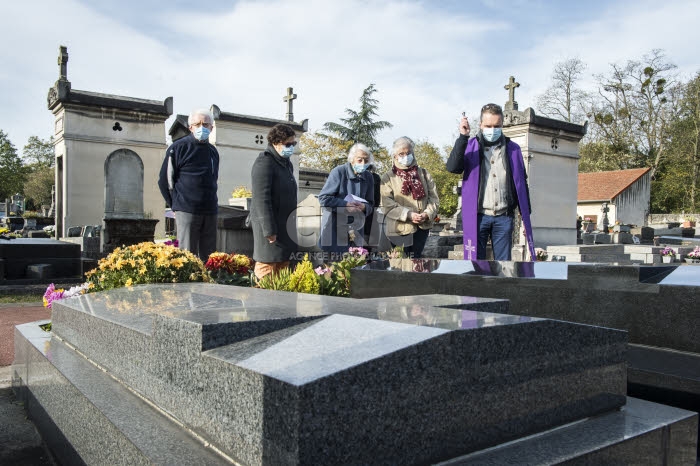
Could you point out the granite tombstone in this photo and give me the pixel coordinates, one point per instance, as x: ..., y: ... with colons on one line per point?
x: 267, y: 377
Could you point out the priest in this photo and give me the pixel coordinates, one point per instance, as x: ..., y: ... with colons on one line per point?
x: 494, y: 184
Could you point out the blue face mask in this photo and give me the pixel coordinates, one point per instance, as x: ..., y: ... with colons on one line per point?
x: 201, y: 133
x: 359, y: 168
x: 406, y: 160
x: 287, y: 151
x: 491, y: 134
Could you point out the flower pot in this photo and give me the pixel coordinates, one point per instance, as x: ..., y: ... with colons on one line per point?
x: 691, y: 260
x: 243, y: 202
x: 688, y: 224
x: 667, y: 259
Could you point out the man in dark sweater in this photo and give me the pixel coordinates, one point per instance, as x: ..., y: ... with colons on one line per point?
x: 188, y: 182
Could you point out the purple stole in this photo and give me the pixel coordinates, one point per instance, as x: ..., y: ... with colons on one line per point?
x: 470, y: 195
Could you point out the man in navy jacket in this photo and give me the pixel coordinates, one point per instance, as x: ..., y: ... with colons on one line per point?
x: 188, y: 182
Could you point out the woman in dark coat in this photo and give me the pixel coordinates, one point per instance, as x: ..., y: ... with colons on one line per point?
x: 346, y: 200
x: 274, y: 203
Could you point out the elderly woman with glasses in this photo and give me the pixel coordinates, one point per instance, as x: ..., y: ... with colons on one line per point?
x: 409, y: 199
x: 346, y: 200
x: 273, y: 208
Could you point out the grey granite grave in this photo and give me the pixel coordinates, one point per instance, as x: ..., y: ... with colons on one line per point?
x: 266, y: 377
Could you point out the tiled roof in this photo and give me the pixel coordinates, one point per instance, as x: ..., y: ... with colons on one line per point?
x: 605, y: 186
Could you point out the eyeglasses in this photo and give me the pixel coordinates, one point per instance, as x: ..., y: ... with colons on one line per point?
x: 291, y: 144
x: 202, y: 123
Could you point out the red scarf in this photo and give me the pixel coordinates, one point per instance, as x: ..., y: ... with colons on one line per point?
x: 411, y: 181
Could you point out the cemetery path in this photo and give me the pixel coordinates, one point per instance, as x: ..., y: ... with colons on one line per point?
x: 15, y: 314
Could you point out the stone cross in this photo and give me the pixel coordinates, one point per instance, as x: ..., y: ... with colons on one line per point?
x: 510, y: 87
x: 63, y: 63
x: 605, y: 209
x: 289, y: 98
x: 469, y: 249
x: 52, y: 209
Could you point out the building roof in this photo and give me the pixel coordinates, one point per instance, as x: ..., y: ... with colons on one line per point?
x: 179, y: 123
x: 606, y: 186
x: 97, y: 99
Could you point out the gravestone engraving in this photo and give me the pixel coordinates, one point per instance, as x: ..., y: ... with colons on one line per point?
x: 123, y: 185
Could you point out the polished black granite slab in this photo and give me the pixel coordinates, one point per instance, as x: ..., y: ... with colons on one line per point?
x: 541, y: 270
x: 665, y: 275
x: 683, y: 276
x: 655, y: 304
x: 283, y: 378
x: 640, y: 433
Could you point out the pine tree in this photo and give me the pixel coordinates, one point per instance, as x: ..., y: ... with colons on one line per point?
x: 360, y: 126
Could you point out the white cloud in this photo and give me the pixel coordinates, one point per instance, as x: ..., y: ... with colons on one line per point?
x: 429, y: 62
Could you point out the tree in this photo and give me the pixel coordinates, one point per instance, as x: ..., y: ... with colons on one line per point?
x: 635, y: 106
x: 322, y: 151
x: 39, y: 153
x: 563, y: 99
x: 37, y: 189
x: 12, y: 173
x: 429, y: 157
x: 677, y: 186
x: 598, y: 156
x: 360, y: 126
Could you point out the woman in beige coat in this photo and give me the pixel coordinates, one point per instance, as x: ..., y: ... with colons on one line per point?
x: 409, y: 199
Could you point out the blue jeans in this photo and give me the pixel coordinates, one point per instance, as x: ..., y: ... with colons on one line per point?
x: 500, y: 228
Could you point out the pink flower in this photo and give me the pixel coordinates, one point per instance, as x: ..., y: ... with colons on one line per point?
x: 52, y: 294
x: 320, y: 270
x: 360, y: 251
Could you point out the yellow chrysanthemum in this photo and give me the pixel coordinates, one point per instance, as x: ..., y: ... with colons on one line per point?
x: 177, y: 262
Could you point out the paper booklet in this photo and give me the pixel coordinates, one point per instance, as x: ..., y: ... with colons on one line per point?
x: 353, y: 198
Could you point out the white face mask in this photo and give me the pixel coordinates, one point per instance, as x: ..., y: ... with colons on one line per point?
x: 491, y: 134
x: 406, y: 160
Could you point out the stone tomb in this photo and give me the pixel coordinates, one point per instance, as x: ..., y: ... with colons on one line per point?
x: 657, y: 305
x: 60, y: 259
x: 109, y: 150
x: 266, y: 377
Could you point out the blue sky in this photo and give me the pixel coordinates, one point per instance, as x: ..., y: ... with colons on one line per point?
x: 429, y: 60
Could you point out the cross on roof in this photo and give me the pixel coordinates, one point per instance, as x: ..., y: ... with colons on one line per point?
x: 510, y: 87
x: 63, y: 63
x: 289, y: 98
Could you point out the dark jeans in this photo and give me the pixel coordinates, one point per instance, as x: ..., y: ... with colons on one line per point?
x: 412, y: 244
x: 500, y: 229
x: 196, y: 233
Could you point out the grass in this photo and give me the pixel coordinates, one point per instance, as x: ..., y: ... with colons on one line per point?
x: 21, y: 298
